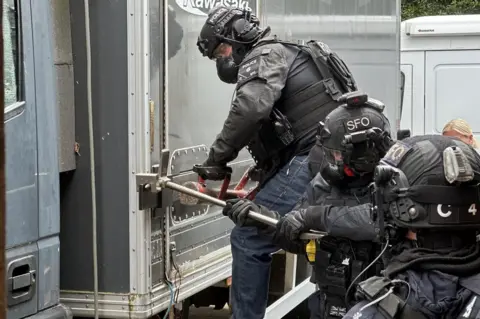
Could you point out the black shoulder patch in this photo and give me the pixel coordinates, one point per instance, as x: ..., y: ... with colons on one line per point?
x: 248, y: 70
x: 358, y: 123
x: 396, y: 153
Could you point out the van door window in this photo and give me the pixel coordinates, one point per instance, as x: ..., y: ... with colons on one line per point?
x: 11, y: 47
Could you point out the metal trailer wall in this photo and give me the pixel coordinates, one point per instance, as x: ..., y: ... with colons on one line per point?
x: 120, y: 109
x: 363, y: 32
x: 149, y: 77
x: 110, y: 108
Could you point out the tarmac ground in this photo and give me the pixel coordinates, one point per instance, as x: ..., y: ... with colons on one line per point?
x: 209, y: 313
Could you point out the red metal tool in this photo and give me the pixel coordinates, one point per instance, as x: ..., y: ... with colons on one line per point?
x: 224, y: 192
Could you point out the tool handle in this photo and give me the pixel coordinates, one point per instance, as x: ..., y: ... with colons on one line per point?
x: 216, y: 201
x: 273, y: 222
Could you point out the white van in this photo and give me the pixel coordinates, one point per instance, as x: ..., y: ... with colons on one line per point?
x: 440, y: 63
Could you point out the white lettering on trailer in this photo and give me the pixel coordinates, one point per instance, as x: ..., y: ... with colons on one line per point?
x: 202, y: 7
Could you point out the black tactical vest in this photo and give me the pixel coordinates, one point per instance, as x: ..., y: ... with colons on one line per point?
x: 338, y: 261
x: 292, y: 128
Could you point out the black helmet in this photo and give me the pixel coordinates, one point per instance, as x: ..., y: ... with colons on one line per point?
x: 430, y: 185
x: 354, y: 137
x: 227, y: 25
x: 421, y: 159
x: 431, y: 182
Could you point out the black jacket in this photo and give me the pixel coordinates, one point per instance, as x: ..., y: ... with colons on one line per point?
x: 341, y: 212
x: 270, y: 74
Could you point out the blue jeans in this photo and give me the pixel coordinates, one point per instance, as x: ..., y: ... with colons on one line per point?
x: 252, y: 251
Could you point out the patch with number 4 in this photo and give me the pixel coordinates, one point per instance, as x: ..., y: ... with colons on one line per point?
x: 450, y: 214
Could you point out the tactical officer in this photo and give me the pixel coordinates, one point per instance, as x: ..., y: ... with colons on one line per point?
x: 282, y: 91
x: 426, y: 195
x: 353, y: 139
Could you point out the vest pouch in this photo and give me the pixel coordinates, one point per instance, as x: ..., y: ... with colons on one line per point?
x: 331, y: 65
x: 331, y: 275
x: 337, y: 279
x: 283, y: 128
x: 266, y: 146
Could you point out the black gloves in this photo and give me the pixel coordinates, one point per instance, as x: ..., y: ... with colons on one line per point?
x: 213, y: 173
x: 288, y: 230
x: 292, y: 225
x: 237, y: 210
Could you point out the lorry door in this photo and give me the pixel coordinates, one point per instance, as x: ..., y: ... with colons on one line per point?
x: 451, y: 88
x: 197, y: 104
x: 412, y: 66
x: 22, y: 230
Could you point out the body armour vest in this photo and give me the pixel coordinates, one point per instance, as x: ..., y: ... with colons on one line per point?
x: 307, y: 97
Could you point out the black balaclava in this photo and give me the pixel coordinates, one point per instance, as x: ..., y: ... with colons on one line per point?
x: 227, y: 69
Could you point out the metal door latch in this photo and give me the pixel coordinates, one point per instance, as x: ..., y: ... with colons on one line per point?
x: 148, y: 184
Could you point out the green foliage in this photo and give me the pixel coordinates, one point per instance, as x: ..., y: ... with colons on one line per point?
x: 417, y: 8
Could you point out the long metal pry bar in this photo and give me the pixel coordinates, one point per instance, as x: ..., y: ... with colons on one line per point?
x: 167, y: 183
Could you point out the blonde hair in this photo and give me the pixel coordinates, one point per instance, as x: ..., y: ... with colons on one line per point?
x: 462, y: 127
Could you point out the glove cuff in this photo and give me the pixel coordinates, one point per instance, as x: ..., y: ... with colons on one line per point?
x: 264, y: 228
x: 312, y: 220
